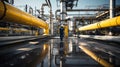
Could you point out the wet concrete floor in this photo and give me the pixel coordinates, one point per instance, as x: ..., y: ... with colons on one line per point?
x: 51, y: 53
x: 66, y: 53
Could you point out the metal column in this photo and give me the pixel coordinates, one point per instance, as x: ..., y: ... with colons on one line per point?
x: 51, y: 23
x: 63, y: 16
x: 63, y: 11
x: 112, y: 13
x: 112, y: 7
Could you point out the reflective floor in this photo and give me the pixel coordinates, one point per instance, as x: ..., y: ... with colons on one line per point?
x: 54, y: 53
x: 66, y: 53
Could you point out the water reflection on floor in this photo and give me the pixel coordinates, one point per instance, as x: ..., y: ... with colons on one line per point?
x: 66, y: 53
x: 54, y: 53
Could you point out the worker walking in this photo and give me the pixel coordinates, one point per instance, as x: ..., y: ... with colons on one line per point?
x: 61, y: 33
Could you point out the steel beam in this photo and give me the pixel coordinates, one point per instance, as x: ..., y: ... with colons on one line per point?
x: 9, y: 13
x: 102, y: 24
x: 88, y: 10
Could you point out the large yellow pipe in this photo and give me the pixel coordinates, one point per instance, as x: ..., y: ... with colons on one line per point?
x: 12, y: 14
x: 103, y: 24
x: 95, y: 57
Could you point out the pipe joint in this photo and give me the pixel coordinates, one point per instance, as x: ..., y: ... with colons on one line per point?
x: 4, y: 9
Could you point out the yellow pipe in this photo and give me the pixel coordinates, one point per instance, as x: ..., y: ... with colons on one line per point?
x: 95, y: 57
x: 18, y: 30
x: 15, y: 15
x: 4, y: 29
x: 103, y: 24
x: 14, y: 29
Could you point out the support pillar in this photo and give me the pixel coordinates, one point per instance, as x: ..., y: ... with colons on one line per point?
x: 112, y: 7
x: 51, y: 23
x: 112, y: 13
x: 63, y: 16
x: 42, y: 12
x: 63, y: 11
x: 35, y: 11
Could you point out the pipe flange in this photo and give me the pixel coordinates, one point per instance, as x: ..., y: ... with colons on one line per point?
x: 98, y: 25
x: 5, y: 9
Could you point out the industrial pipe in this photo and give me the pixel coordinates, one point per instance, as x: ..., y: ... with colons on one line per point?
x: 102, y: 24
x: 49, y: 3
x: 14, y: 29
x: 42, y: 14
x: 11, y: 14
x: 58, y: 10
x: 95, y: 57
x: 4, y: 29
x: 42, y: 9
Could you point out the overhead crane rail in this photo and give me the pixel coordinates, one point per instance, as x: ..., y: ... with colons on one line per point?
x: 102, y: 24
x: 12, y: 14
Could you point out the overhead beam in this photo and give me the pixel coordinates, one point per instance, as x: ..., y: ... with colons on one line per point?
x: 88, y: 10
